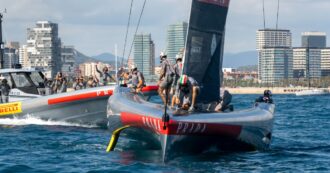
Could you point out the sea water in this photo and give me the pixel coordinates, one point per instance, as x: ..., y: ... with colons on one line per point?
x: 300, y: 144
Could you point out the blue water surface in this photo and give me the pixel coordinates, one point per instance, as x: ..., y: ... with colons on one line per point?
x: 300, y: 144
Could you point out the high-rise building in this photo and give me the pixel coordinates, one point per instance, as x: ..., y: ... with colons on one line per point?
x: 312, y: 58
x: 68, y: 60
x: 144, y: 54
x: 11, y: 57
x: 176, y: 39
x: 325, y: 62
x: 274, y: 55
x: 273, y: 38
x: 44, y: 47
x: 23, y: 56
x: 314, y: 39
x: 306, y: 62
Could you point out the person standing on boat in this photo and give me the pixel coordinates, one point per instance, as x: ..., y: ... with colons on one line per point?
x: 5, y: 89
x: 178, y: 70
x: 60, y: 83
x: 105, y: 75
x: 79, y: 83
x: 92, y: 82
x: 166, y: 77
x: 138, y: 81
x: 189, y: 87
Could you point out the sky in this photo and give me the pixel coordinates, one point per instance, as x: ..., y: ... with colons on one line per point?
x: 96, y: 26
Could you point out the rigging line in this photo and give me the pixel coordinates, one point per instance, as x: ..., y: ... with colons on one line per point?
x: 137, y: 28
x: 127, y: 29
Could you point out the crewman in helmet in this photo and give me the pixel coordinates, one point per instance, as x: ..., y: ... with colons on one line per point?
x: 266, y: 98
x: 178, y: 70
x: 138, y: 81
x: 188, y: 86
x: 166, y: 77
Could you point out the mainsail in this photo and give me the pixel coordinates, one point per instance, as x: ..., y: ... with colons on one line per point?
x: 204, y: 47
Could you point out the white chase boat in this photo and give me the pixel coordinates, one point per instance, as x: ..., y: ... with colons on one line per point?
x: 313, y: 92
x: 26, y: 98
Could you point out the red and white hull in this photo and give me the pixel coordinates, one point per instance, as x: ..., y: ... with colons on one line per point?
x: 87, y: 107
x: 191, y: 133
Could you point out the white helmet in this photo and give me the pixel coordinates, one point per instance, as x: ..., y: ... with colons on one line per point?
x: 178, y: 57
x: 163, y: 55
x: 133, y: 66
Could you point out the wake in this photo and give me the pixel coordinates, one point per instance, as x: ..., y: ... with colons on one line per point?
x: 30, y: 120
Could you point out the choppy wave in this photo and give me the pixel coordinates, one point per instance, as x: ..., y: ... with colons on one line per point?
x: 30, y: 120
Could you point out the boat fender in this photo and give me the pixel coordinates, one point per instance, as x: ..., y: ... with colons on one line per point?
x: 114, y: 138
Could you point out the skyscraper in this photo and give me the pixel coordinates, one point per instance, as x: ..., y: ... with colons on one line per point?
x: 306, y: 62
x: 325, y: 62
x: 176, y: 39
x: 310, y: 60
x: 144, y: 54
x: 68, y: 54
x: 275, y: 55
x: 313, y: 39
x: 11, y: 57
x: 44, y: 47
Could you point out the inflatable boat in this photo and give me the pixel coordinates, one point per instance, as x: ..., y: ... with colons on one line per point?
x: 26, y: 98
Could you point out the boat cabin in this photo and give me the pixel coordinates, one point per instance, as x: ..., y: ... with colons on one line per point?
x: 24, y: 83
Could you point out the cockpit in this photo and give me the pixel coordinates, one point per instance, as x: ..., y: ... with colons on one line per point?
x: 30, y: 82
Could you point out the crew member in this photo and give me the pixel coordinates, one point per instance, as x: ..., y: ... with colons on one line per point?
x: 92, y: 82
x: 79, y: 83
x: 266, y: 98
x: 166, y: 77
x: 138, y: 81
x: 60, y: 83
x: 178, y: 70
x: 5, y: 89
x: 188, y: 86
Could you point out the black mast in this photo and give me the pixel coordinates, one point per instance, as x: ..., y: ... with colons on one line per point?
x: 1, y: 43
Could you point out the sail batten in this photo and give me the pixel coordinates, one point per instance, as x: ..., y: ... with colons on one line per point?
x: 204, y: 47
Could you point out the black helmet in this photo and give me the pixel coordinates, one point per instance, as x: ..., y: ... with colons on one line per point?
x: 267, y: 93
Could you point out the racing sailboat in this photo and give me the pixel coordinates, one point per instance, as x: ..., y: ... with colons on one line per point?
x: 176, y: 132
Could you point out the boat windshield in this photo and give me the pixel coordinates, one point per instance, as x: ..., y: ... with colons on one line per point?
x: 21, y: 80
x: 36, y: 78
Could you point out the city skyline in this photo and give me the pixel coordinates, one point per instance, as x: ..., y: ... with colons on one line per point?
x: 95, y: 28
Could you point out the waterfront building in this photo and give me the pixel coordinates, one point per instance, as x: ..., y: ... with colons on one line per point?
x: 306, y: 62
x: 144, y: 54
x: 176, y: 40
x: 68, y: 54
x: 275, y: 56
x: 44, y: 47
x: 313, y: 39
x: 325, y: 62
